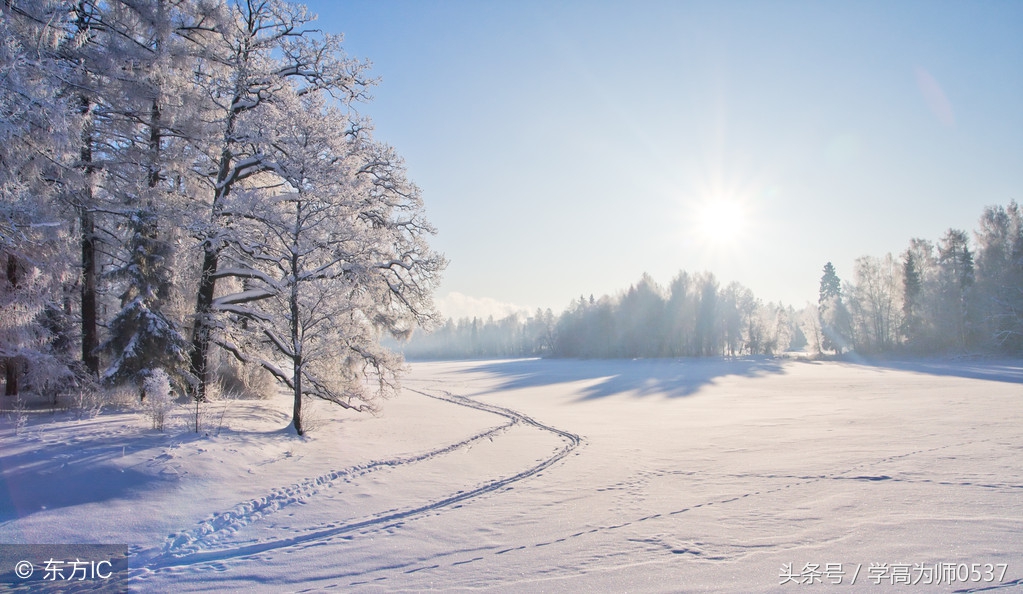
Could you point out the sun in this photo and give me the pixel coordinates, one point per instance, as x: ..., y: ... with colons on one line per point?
x: 721, y: 221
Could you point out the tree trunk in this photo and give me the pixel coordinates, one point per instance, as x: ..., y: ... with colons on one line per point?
x: 296, y: 346
x: 297, y: 411
x: 11, y: 377
x: 90, y: 333
x: 203, y: 311
x: 202, y: 330
x: 87, y: 229
x: 154, y: 146
x: 11, y: 363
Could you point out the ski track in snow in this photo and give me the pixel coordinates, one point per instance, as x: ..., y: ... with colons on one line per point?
x: 198, y: 545
x: 206, y: 547
x: 220, y: 550
x: 197, y: 548
x: 694, y: 550
x: 701, y: 550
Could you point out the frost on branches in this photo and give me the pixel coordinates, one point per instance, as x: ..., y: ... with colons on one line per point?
x: 335, y: 255
x: 136, y: 135
x: 253, y: 55
x: 34, y: 268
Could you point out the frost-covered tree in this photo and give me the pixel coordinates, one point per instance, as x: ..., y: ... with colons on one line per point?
x: 36, y: 156
x: 542, y: 334
x: 88, y: 67
x: 810, y: 325
x: 874, y: 300
x: 753, y: 332
x: 252, y: 53
x: 912, y: 289
x: 34, y: 257
x: 149, y: 112
x: 336, y: 255
x: 640, y: 314
x: 708, y: 339
x: 96, y: 54
x: 680, y: 315
x: 142, y: 336
x: 733, y: 322
x: 130, y: 125
x: 1000, y: 275
x: 920, y: 296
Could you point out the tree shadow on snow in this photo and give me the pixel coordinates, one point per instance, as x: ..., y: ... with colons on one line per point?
x: 998, y: 370
x: 63, y: 475
x: 673, y: 378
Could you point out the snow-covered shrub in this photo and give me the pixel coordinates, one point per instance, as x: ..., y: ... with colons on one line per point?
x: 84, y: 397
x: 207, y: 417
x: 124, y: 396
x: 242, y: 381
x: 156, y: 391
x: 83, y: 403
x: 19, y: 415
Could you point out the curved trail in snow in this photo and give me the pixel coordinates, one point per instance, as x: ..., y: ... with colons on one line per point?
x: 188, y: 549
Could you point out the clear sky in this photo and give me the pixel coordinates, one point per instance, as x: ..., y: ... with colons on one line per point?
x: 564, y: 148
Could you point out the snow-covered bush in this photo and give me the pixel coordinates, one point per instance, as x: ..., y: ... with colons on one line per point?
x: 156, y: 394
x: 207, y: 417
x: 18, y: 415
x: 241, y: 381
x: 83, y: 403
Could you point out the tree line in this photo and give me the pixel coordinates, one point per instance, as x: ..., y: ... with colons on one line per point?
x: 952, y: 296
x: 188, y: 186
x: 955, y: 295
x: 693, y: 316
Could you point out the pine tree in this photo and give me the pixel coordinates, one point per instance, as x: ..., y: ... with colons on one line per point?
x: 912, y: 287
x: 149, y: 112
x: 956, y: 279
x: 831, y: 285
x: 835, y: 320
x: 142, y: 337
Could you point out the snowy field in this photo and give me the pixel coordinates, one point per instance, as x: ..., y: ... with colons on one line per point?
x: 756, y: 475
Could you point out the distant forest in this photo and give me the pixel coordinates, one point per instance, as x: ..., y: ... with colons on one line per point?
x: 950, y: 296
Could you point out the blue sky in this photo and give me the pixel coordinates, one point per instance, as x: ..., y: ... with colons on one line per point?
x: 564, y: 148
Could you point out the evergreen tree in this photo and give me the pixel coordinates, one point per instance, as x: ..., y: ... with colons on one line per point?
x: 956, y: 278
x: 142, y: 337
x: 835, y: 321
x: 912, y: 287
x: 831, y: 285
x: 150, y: 113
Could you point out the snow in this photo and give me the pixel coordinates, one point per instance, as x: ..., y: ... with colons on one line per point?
x: 534, y: 475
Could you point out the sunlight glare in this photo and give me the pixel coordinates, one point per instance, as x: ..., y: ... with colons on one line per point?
x: 722, y: 221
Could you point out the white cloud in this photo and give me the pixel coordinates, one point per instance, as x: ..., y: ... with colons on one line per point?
x: 457, y: 305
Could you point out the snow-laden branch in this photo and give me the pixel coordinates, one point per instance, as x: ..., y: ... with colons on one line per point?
x: 242, y: 297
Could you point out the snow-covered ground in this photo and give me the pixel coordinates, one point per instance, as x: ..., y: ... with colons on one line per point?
x: 694, y: 475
